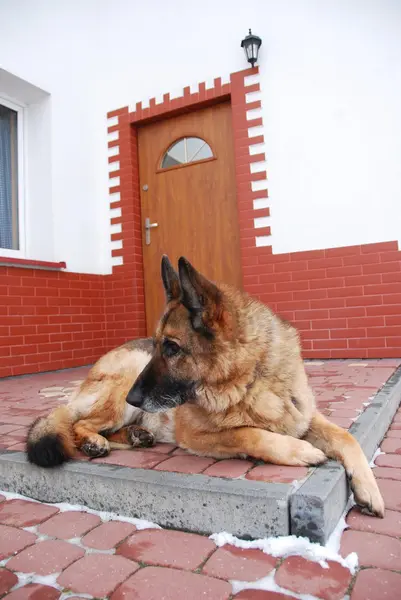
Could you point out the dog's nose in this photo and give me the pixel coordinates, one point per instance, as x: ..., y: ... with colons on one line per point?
x: 135, y: 396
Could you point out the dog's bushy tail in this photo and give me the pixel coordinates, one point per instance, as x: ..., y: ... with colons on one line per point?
x: 50, y: 439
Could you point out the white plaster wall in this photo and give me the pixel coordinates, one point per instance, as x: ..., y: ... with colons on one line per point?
x: 331, y: 90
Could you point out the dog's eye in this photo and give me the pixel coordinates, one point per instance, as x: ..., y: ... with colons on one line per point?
x: 170, y: 348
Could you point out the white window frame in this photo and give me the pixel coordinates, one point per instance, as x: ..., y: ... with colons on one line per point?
x: 21, y: 137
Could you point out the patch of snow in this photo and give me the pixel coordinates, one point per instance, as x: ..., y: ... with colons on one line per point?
x: 13, y: 496
x: 267, y: 584
x: 376, y: 454
x: 334, y: 541
x: 96, y: 551
x: 67, y: 595
x: 43, y: 538
x: 78, y: 542
x: 25, y: 578
x: 33, y: 529
x: 105, y: 516
x: 292, y: 545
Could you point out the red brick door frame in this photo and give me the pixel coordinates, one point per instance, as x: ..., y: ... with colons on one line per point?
x: 124, y: 190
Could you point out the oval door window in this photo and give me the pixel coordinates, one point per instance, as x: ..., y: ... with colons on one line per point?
x: 186, y: 150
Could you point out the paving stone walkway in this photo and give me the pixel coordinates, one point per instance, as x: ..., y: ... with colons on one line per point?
x: 343, y: 389
x: 47, y: 553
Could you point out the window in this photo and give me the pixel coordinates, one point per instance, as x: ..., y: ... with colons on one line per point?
x: 10, y: 176
x: 186, y: 150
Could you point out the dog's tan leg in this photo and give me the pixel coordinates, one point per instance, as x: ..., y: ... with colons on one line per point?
x: 89, y: 440
x: 339, y: 444
x: 257, y: 443
x: 132, y: 435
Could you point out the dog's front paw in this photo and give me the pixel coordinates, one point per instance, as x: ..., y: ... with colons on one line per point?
x: 307, y: 455
x: 139, y: 437
x: 367, y: 496
x: 96, y: 448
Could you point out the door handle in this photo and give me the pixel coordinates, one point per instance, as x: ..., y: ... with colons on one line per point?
x: 148, y: 227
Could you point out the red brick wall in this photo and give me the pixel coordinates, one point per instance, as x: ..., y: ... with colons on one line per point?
x: 49, y: 320
x: 346, y: 302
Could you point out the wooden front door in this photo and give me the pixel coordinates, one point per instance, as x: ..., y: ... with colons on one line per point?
x: 187, y: 183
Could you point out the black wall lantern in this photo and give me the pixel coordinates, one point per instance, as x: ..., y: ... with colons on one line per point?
x: 251, y: 44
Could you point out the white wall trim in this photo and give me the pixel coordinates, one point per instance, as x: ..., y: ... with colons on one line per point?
x: 114, y: 196
x: 260, y: 204
x: 21, y: 140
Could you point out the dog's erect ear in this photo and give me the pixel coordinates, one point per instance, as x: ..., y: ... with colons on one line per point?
x: 199, y: 295
x: 170, y: 279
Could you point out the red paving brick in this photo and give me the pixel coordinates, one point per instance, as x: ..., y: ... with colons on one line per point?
x: 161, y: 448
x: 136, y: 459
x: 185, y: 464
x: 388, y: 473
x: 391, y: 445
x: 34, y: 591
x: 391, y: 491
x: 69, y: 524
x: 97, y: 574
x: 167, y: 548
x: 14, y: 540
x: 231, y: 468
x: 2, y: 498
x: 345, y: 412
x: 388, y: 460
x: 20, y: 447
x: 7, y: 441
x: 390, y: 525
x: 7, y: 580
x: 7, y: 429
x: 154, y: 583
x: 17, y: 420
x: 44, y: 558
x: 341, y: 421
x: 277, y: 473
x: 179, y: 452
x: 373, y: 550
x: 230, y: 562
x: 22, y: 513
x: 377, y: 584
x: 394, y: 433
x: 108, y: 535
x: 306, y: 577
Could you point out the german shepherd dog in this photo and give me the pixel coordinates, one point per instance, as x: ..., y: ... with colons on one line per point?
x: 225, y: 379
